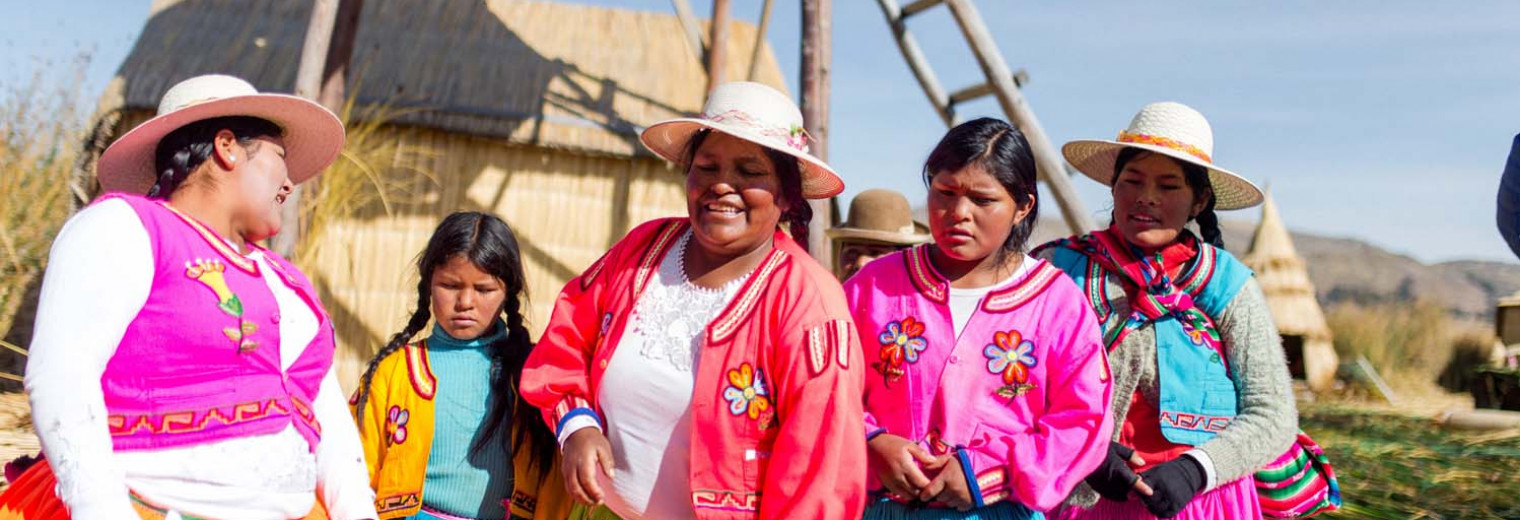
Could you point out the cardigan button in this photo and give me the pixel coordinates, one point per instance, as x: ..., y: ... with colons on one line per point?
x: 955, y: 359
x: 274, y: 318
x: 603, y: 364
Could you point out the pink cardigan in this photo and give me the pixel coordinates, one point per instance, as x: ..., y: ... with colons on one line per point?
x: 1021, y: 397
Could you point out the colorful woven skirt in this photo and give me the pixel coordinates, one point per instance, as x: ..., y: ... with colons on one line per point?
x: 32, y: 497
x: 1234, y: 501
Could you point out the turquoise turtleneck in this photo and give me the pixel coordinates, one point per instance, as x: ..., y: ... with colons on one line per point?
x: 459, y: 482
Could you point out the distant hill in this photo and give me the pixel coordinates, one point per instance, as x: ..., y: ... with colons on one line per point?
x: 1350, y: 270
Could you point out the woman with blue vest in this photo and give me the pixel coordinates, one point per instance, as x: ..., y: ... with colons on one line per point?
x: 1202, y: 395
x: 179, y: 370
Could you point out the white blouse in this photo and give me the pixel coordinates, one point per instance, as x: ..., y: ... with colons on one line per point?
x: 99, y: 275
x: 646, y: 392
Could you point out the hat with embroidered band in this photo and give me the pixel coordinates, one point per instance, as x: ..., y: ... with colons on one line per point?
x: 1174, y: 130
x: 312, y: 135
x: 755, y: 113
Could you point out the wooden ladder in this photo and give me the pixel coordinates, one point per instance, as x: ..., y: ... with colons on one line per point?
x: 1001, y: 83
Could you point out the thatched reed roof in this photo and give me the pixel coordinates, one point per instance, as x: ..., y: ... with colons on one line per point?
x: 536, y: 73
x: 1284, y: 278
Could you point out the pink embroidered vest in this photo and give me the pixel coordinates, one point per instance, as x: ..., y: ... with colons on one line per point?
x: 201, y: 362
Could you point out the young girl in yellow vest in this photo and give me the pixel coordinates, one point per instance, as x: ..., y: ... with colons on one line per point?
x: 444, y: 431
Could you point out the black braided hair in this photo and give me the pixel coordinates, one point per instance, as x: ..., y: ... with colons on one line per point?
x: 1001, y: 150
x: 185, y: 149
x: 799, y: 213
x: 1197, y: 178
x: 488, y: 243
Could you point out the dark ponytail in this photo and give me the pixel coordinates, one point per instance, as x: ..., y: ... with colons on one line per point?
x: 488, y: 243
x: 185, y: 149
x: 799, y: 213
x: 1197, y: 178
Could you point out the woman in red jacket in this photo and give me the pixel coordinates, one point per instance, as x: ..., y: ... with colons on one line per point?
x: 706, y: 367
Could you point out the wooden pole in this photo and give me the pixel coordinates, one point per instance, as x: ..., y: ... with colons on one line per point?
x: 817, y: 54
x: 692, y: 28
x: 339, y: 53
x: 321, y: 76
x: 1051, y: 166
x: 717, y: 45
x: 754, y: 54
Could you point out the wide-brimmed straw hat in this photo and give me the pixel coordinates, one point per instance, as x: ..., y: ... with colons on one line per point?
x: 1174, y: 130
x: 879, y: 215
x: 755, y: 113
x: 312, y: 135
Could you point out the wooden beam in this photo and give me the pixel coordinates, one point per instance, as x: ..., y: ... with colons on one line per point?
x: 817, y: 57
x: 693, y: 29
x: 319, y: 32
x: 919, y: 7
x: 339, y: 52
x: 1051, y: 166
x: 717, y: 46
x: 754, y: 54
x: 918, y: 63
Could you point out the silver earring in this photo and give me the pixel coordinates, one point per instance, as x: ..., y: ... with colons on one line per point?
x: 232, y: 158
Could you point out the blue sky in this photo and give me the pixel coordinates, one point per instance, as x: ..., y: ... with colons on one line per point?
x: 1385, y: 121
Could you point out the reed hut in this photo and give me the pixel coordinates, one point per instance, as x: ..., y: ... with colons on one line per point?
x: 1306, y: 337
x: 530, y: 110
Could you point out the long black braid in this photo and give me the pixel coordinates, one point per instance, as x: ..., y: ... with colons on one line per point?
x: 488, y: 243
x: 185, y: 149
x: 1197, y: 178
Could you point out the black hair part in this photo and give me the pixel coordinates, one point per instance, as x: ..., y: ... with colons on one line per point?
x: 798, y: 212
x: 1001, y: 150
x: 188, y: 147
x: 488, y: 243
x: 1197, y: 178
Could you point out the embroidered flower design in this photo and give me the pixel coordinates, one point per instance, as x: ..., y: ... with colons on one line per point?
x: 1011, y: 356
x: 746, y: 394
x: 241, y: 336
x: 901, y: 342
x: 395, y: 424
x: 211, y: 273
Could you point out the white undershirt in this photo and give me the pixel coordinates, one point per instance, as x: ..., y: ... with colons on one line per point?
x: 99, y: 276
x: 964, y: 302
x: 646, y: 393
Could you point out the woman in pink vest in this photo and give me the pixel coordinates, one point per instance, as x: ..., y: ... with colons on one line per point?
x: 990, y: 388
x: 216, y: 397
x: 706, y: 366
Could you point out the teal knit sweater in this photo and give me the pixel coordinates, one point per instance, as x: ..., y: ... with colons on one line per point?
x: 459, y: 482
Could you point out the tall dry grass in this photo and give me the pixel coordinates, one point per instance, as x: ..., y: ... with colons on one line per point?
x: 41, y: 133
x: 1417, y: 340
x: 371, y: 170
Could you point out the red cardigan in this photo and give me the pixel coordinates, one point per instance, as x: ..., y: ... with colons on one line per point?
x: 794, y: 449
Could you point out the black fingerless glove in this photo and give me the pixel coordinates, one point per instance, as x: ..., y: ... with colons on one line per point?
x: 1173, y: 484
x: 1114, y: 479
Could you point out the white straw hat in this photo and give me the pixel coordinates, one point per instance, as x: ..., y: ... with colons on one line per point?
x: 755, y: 113
x: 1174, y: 130
x: 313, y: 136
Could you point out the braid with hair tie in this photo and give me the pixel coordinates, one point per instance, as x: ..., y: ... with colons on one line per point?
x: 414, y: 325
x: 1208, y: 225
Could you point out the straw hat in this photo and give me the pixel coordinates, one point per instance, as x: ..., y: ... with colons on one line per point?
x: 1174, y: 130
x: 313, y: 136
x: 880, y: 216
x: 755, y: 113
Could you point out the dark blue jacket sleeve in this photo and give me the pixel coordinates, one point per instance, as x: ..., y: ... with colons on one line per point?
x: 1509, y: 199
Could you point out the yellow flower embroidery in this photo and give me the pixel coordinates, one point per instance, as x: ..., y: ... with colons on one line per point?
x: 210, y: 273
